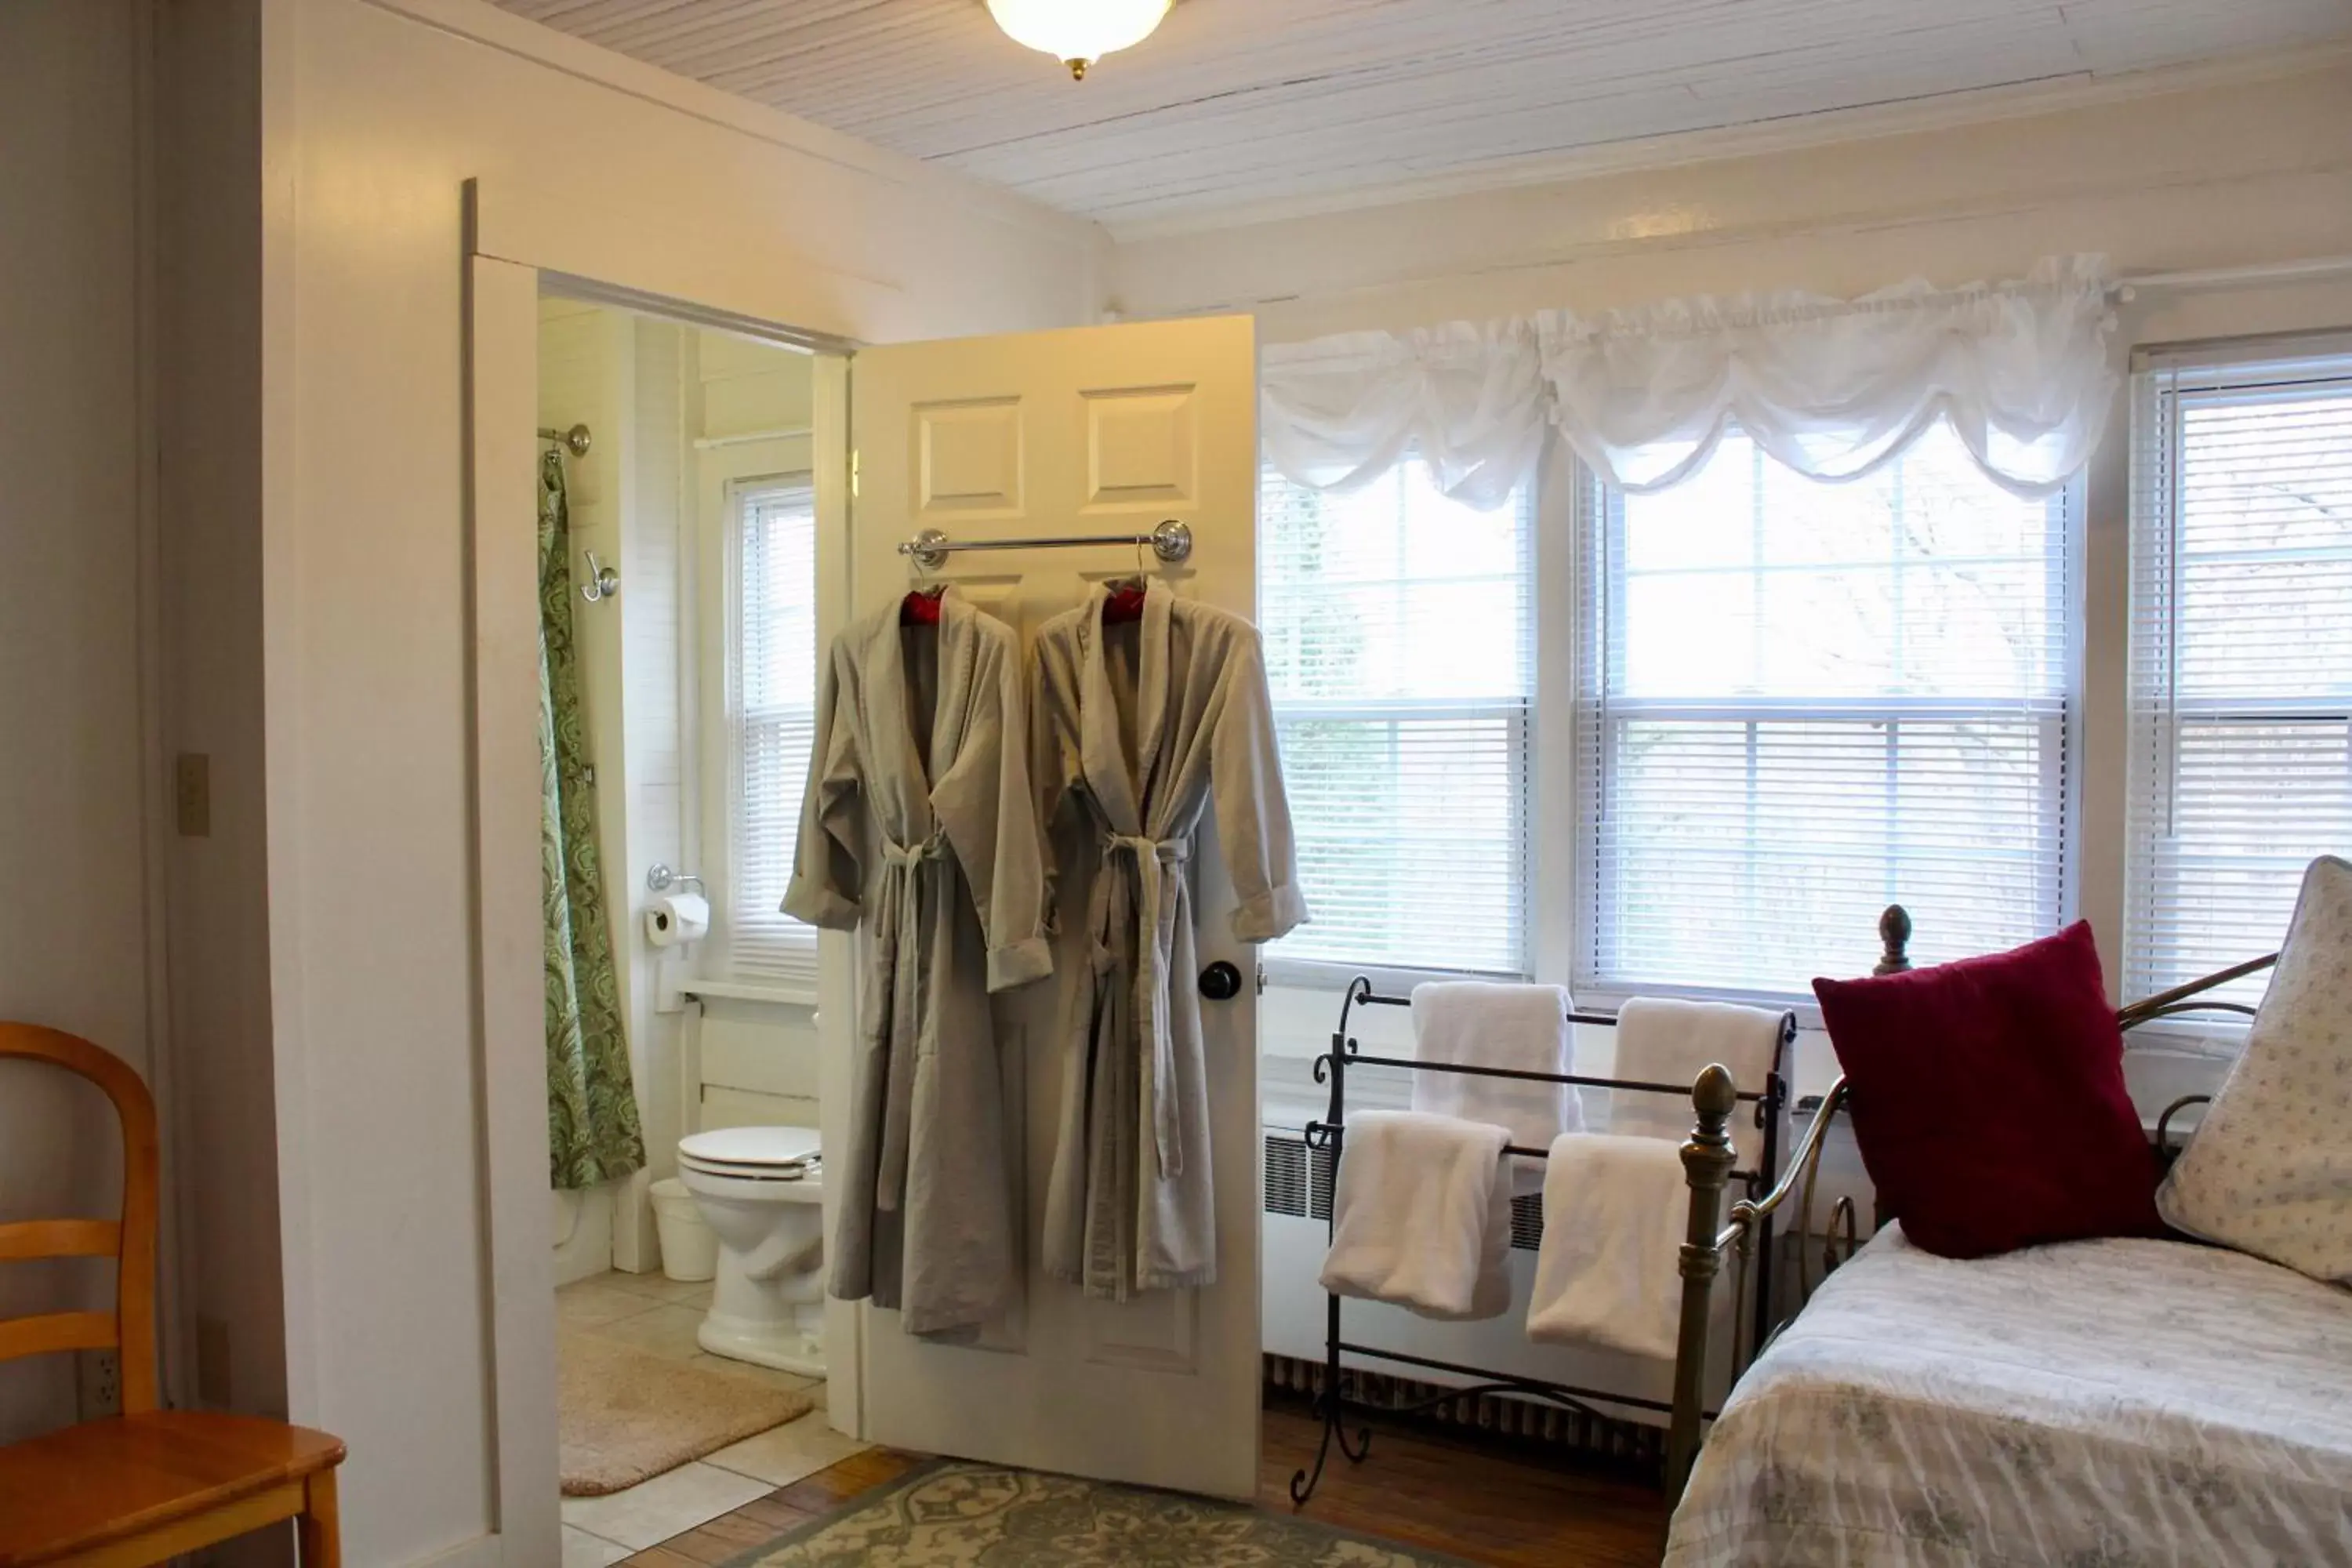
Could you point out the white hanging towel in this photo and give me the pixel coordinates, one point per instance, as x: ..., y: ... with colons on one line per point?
x: 1661, y: 1040
x: 1606, y: 1275
x: 1481, y: 1024
x: 1421, y: 1215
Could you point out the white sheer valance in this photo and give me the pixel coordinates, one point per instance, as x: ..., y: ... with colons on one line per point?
x: 2020, y: 370
x: 1469, y: 399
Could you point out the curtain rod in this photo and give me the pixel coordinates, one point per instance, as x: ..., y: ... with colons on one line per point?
x: 2227, y: 276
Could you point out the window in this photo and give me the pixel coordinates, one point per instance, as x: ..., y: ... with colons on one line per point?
x: 772, y: 721
x: 1398, y: 644
x: 2240, y: 657
x: 1803, y: 701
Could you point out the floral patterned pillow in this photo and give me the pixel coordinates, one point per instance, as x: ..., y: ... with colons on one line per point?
x: 2270, y: 1170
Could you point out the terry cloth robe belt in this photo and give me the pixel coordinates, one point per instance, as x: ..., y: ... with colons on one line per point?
x: 1135, y: 894
x: 897, y: 925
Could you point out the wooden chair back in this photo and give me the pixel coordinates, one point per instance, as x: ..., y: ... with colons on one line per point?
x: 130, y: 1329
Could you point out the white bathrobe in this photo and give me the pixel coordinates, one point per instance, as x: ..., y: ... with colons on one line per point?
x: 919, y: 820
x: 1139, y: 728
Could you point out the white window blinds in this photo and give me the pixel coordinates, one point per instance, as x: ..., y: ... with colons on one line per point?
x: 772, y: 714
x: 2240, y: 657
x: 1803, y: 701
x: 1398, y: 644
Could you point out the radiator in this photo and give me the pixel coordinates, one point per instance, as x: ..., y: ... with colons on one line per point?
x: 1618, y: 1442
x: 1298, y: 1185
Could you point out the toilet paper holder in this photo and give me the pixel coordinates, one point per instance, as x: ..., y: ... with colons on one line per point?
x: 660, y: 878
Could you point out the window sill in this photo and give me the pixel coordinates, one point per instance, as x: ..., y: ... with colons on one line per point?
x: 780, y: 992
x: 1611, y: 996
x: 1389, y: 979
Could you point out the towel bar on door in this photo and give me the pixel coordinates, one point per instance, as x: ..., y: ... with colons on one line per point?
x: 1170, y: 540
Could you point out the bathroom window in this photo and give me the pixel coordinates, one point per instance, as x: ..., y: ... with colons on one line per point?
x: 1400, y: 652
x: 2241, y: 653
x: 1804, y: 701
x: 772, y: 721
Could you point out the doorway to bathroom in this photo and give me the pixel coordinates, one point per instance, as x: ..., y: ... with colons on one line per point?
x: 1057, y: 458
x: 678, y: 527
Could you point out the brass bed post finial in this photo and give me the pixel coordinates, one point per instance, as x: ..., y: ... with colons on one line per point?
x: 1708, y: 1159
x: 1894, y: 937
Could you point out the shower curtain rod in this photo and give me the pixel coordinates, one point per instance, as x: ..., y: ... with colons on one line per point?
x: 575, y: 440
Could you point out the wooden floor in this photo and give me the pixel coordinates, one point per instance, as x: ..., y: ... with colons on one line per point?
x: 1507, y: 1506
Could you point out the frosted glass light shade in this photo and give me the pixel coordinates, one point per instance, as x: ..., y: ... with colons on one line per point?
x: 1077, y: 32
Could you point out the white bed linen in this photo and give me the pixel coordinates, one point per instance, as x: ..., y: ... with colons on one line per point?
x: 2096, y: 1404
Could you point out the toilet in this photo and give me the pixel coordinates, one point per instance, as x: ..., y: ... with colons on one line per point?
x: 762, y: 1189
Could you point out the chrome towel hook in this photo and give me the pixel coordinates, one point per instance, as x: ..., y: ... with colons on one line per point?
x: 603, y: 581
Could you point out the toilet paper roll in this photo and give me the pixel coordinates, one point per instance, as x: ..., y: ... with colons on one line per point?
x: 677, y: 917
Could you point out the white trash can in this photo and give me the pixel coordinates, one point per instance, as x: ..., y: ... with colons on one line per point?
x: 690, y: 1249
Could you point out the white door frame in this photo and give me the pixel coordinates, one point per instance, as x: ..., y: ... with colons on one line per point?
x: 513, y: 245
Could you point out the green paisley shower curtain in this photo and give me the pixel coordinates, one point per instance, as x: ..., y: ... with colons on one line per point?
x: 591, y: 1109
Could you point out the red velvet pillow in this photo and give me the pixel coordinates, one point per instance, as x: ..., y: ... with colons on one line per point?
x: 1988, y: 1098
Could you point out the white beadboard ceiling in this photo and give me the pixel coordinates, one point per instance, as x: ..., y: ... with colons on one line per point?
x: 1242, y: 104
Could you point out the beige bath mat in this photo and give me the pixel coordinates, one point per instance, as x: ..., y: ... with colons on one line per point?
x: 626, y: 1415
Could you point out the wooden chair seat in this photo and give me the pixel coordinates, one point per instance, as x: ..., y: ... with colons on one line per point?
x: 135, y: 1488
x: 150, y: 1484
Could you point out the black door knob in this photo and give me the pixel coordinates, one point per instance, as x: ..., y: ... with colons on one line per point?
x: 1221, y: 982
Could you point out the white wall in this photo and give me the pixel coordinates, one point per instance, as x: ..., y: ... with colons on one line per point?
x: 371, y: 120
x: 208, y: 134
x: 74, y: 949
x: 651, y: 556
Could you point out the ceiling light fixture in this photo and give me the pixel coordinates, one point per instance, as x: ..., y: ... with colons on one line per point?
x: 1077, y: 32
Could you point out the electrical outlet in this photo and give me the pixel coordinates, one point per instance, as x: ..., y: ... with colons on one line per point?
x: 192, y: 795
x: 98, y: 1383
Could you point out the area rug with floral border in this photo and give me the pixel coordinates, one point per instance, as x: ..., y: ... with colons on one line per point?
x: 948, y: 1513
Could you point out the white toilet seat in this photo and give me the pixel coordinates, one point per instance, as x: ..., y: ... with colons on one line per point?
x: 769, y: 1157
x: 755, y: 1148
x: 752, y: 1154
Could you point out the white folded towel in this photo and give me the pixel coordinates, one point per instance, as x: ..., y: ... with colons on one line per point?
x: 1481, y: 1024
x: 1607, y: 1273
x: 1665, y: 1041
x: 1421, y: 1215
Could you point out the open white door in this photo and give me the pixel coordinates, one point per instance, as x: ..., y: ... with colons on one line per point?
x: 1089, y: 431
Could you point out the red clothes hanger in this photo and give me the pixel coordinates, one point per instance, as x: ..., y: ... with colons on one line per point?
x: 921, y: 607
x: 1125, y: 603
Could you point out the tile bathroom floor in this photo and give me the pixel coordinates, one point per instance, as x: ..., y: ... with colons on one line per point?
x: 660, y: 1315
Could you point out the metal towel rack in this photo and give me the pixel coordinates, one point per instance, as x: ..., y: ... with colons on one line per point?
x: 1170, y: 540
